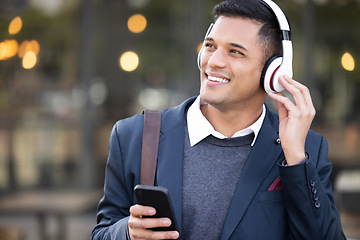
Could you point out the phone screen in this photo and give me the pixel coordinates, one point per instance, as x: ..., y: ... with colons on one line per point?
x: 158, y: 198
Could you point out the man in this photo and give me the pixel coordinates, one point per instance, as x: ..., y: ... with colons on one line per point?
x: 234, y: 169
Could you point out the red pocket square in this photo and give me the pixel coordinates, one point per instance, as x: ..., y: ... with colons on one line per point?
x: 276, y: 185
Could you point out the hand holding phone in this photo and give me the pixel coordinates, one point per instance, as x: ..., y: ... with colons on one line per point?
x: 145, y: 225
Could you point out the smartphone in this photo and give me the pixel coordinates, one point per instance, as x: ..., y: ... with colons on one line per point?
x: 158, y: 198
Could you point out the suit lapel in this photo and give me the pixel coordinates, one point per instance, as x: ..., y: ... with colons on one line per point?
x: 170, y: 155
x: 262, y: 159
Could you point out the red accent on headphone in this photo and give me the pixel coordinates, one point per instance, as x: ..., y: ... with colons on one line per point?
x: 271, y: 79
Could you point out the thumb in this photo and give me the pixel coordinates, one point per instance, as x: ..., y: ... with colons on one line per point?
x: 283, y: 112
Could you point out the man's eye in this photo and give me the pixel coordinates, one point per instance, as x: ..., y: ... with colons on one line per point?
x: 236, y: 52
x: 209, y: 45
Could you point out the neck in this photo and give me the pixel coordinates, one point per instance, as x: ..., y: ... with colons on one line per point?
x: 230, y: 121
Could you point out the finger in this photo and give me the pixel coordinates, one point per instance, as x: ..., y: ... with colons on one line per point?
x: 296, y: 90
x: 286, y: 104
x: 283, y: 112
x: 303, y: 89
x: 294, y: 83
x: 304, y: 100
x: 149, y: 234
x: 139, y: 210
x: 146, y: 223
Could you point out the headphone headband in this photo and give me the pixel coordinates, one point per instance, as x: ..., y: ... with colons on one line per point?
x: 273, y: 70
x: 280, y: 16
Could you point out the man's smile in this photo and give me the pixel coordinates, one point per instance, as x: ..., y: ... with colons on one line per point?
x: 217, y: 78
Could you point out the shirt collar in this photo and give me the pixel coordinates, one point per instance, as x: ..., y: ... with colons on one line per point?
x: 199, y: 127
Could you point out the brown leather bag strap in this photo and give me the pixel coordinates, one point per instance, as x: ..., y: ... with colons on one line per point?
x: 150, y: 144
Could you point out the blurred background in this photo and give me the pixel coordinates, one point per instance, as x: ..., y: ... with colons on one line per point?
x: 69, y: 69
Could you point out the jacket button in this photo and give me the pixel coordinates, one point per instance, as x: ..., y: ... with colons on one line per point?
x: 313, y: 190
x: 317, y: 204
x: 316, y: 197
x: 278, y: 141
x: 312, y: 183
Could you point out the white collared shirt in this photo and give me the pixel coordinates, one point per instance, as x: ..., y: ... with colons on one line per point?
x: 199, y: 127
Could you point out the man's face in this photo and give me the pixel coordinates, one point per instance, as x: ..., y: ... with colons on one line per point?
x: 231, y: 64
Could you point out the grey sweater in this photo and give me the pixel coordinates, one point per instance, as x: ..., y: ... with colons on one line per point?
x: 211, y: 172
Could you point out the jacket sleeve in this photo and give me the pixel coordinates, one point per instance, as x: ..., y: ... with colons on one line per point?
x: 120, y: 178
x: 309, y: 201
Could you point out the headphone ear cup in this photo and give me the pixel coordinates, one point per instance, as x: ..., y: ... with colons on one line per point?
x: 268, y: 72
x: 203, y: 46
x: 199, y: 57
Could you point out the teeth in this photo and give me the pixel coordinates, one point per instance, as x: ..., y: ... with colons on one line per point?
x: 217, y: 79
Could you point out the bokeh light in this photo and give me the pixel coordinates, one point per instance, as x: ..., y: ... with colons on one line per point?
x: 137, y: 23
x: 348, y: 62
x: 199, y: 46
x: 8, y: 49
x: 27, y: 46
x: 15, y: 26
x: 3, y: 50
x: 29, y: 60
x: 129, y: 61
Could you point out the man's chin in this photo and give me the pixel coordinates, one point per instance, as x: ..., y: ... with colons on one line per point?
x: 211, y: 100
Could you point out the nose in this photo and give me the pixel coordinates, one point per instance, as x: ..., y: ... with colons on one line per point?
x: 217, y: 59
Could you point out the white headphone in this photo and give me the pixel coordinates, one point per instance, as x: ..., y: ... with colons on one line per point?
x: 277, y: 65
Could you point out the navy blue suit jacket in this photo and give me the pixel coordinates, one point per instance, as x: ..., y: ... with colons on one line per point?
x: 302, y: 209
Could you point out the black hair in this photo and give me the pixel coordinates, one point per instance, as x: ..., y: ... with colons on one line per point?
x: 269, y: 33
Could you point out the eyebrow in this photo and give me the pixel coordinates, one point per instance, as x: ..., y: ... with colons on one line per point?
x: 232, y: 44
x: 238, y: 46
